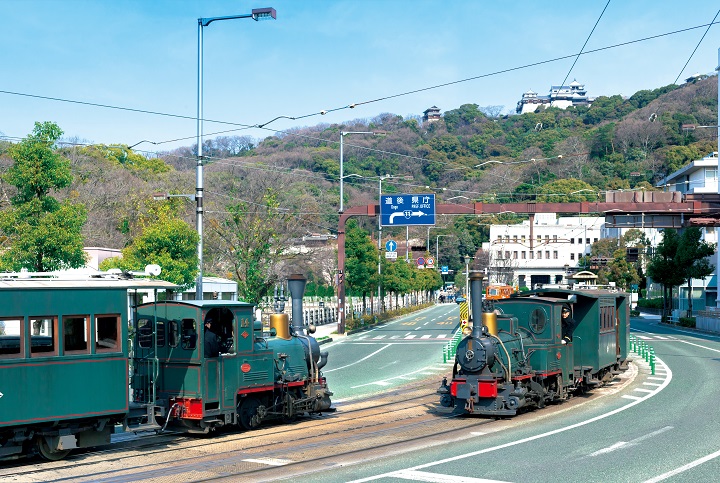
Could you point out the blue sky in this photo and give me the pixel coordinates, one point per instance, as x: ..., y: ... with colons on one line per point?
x: 320, y: 55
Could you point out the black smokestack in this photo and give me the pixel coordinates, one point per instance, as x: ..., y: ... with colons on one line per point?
x: 296, y: 285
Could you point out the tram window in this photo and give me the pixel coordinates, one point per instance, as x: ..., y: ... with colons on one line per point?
x: 42, y: 335
x: 174, y: 333
x: 160, y: 333
x: 107, y: 328
x: 189, y: 334
x: 75, y: 334
x: 11, y: 340
x: 145, y: 333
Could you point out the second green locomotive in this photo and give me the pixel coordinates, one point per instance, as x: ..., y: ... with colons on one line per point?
x: 522, y: 355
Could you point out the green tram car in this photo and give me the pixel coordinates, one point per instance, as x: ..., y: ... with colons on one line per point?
x: 521, y: 355
x: 71, y: 369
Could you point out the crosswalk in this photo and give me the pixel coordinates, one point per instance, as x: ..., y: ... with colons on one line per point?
x: 404, y: 337
x: 654, y: 337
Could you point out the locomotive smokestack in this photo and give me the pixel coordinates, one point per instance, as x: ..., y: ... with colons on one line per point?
x: 476, y: 281
x: 296, y: 285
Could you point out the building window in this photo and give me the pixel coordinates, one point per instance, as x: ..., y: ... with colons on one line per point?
x: 499, y: 238
x: 522, y: 237
x: 579, y: 256
x: 555, y: 254
x: 532, y: 255
x: 499, y: 255
x: 539, y: 238
x: 595, y: 240
x: 547, y: 254
x: 507, y: 255
x: 587, y: 241
x: 547, y: 238
x: 514, y: 238
x: 555, y: 238
x: 507, y: 238
x: 522, y: 255
x: 539, y: 255
x: 572, y: 241
x: 515, y: 255
x: 579, y: 241
x: 572, y: 256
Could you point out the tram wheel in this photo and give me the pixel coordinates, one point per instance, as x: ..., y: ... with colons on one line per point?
x: 246, y: 410
x: 46, y: 452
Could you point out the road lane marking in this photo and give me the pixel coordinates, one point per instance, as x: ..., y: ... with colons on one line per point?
x: 688, y: 466
x: 359, y: 361
x: 427, y: 336
x: 640, y: 389
x: 269, y: 461
x: 410, y: 337
x: 634, y: 442
x: 634, y: 398
x: 651, y: 384
x: 439, y: 478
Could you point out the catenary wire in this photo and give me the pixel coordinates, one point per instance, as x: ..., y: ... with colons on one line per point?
x: 696, y: 47
x: 586, y: 41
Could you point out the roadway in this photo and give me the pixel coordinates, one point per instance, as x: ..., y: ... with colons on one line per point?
x: 656, y: 427
x: 395, y: 353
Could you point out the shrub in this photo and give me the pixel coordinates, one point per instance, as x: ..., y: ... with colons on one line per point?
x: 687, y: 322
x: 656, y: 303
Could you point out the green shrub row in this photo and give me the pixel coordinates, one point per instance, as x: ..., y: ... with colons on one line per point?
x: 654, y: 303
x: 368, y: 320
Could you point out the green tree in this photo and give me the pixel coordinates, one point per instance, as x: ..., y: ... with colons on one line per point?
x: 361, y: 259
x: 43, y: 233
x: 251, y: 235
x: 166, y: 241
x: 692, y: 258
x: 662, y: 266
x: 397, y: 278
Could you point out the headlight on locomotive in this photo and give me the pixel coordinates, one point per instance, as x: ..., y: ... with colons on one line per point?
x: 473, y: 354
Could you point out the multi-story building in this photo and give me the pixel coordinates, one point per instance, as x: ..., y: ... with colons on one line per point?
x: 698, y: 177
x: 544, y: 249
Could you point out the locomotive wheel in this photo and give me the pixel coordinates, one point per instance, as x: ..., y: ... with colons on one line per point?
x: 246, y: 410
x: 46, y: 452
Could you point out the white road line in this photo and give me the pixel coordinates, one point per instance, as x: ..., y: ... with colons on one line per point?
x: 426, y: 336
x: 269, y: 461
x: 411, y: 337
x: 661, y: 337
x: 634, y: 442
x: 640, y: 389
x: 677, y: 471
x: 634, y: 398
x: 359, y: 361
x: 656, y: 378
x: 644, y: 337
x: 442, y: 336
x: 438, y: 478
x: 379, y: 337
x: 651, y: 384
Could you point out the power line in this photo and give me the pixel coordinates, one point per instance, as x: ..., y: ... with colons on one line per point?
x: 696, y: 47
x: 586, y: 41
x: 352, y: 105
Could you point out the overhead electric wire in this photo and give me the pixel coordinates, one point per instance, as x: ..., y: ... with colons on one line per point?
x: 696, y: 47
x: 586, y: 41
x: 353, y: 105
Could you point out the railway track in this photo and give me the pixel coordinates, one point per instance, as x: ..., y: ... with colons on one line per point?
x: 398, y: 421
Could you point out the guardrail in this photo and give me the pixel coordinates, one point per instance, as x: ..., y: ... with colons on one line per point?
x: 644, y: 350
x: 450, y: 349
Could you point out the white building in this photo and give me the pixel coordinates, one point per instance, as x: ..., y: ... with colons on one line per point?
x: 541, y: 250
x: 560, y: 96
x: 698, y: 177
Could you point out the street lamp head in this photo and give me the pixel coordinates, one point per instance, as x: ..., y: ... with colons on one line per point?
x: 264, y: 14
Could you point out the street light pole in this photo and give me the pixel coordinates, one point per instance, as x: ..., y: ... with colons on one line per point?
x: 256, y: 14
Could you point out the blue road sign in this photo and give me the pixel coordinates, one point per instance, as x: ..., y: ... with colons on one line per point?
x: 407, y: 210
x: 444, y: 270
x: 390, y: 246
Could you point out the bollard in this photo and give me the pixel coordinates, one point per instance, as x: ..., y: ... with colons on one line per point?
x: 652, y: 362
x: 444, y: 354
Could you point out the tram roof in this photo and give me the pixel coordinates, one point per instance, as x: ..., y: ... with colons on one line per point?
x: 18, y: 281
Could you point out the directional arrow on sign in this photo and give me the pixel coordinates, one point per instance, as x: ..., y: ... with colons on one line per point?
x: 406, y: 215
x: 1, y: 394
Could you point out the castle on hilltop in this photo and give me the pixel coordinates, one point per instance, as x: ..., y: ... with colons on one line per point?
x: 560, y: 96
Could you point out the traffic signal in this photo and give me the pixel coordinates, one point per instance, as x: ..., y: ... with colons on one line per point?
x: 631, y: 254
x: 340, y: 277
